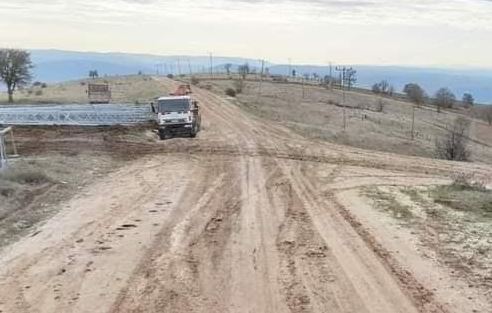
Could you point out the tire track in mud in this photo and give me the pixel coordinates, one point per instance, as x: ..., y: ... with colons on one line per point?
x: 249, y: 230
x: 302, y: 300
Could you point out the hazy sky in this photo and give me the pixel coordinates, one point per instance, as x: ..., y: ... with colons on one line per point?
x: 405, y: 32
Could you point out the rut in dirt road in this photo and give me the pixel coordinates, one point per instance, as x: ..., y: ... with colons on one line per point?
x: 241, y: 232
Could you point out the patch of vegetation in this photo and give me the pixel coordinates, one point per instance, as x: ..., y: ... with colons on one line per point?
x: 388, y: 202
x: 194, y: 80
x: 230, y: 92
x: 28, y: 176
x: 464, y: 198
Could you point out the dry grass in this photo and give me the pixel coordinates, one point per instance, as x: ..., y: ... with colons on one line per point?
x: 454, y: 221
x: 125, y: 89
x: 32, y: 188
x: 319, y: 115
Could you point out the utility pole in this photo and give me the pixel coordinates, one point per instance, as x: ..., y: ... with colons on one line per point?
x: 290, y: 68
x: 211, y: 66
x: 413, y: 122
x: 189, y: 67
x: 331, y: 77
x: 179, y: 67
x: 343, y: 71
x: 261, y: 78
x: 303, y: 83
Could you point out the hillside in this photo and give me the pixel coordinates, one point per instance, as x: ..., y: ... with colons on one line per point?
x: 58, y: 66
x: 319, y: 115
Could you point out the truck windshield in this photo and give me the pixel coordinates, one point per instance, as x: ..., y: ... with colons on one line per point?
x: 174, y: 105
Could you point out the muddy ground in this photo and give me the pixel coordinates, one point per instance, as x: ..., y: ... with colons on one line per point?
x: 247, y: 217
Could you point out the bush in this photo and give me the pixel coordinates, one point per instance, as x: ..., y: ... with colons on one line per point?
x: 230, y: 92
x: 239, y: 85
x: 38, y: 93
x: 170, y: 76
x: 194, y: 80
x: 380, y: 105
x: 25, y: 176
x: 454, y: 145
x: 44, y: 85
x: 464, y: 181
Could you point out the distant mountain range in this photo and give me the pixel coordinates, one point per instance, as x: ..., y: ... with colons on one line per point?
x: 57, y: 66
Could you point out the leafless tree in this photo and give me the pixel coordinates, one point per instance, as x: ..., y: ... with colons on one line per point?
x: 243, y: 70
x: 444, y: 98
x: 383, y: 87
x: 15, y: 69
x: 468, y: 100
x: 415, y: 93
x: 350, y: 78
x: 454, y: 145
x: 227, y: 67
x: 93, y: 74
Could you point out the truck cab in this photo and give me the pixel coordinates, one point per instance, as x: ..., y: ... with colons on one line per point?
x: 177, y: 115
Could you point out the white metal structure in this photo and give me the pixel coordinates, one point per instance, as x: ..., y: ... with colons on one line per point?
x: 3, y: 147
x: 80, y: 114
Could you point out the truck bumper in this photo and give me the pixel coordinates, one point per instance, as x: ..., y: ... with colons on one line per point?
x: 176, y: 129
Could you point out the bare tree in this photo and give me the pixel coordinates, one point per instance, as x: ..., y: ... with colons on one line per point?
x: 93, y: 74
x: 227, y: 67
x: 383, y: 87
x: 454, y: 145
x: 376, y: 88
x: 415, y: 93
x: 444, y: 98
x: 243, y: 70
x: 468, y: 100
x: 15, y: 69
x: 350, y: 78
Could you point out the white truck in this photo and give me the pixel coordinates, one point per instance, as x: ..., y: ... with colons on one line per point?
x: 177, y: 115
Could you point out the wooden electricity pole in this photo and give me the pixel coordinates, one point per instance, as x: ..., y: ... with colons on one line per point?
x: 189, y: 67
x: 303, y: 91
x: 343, y: 71
x: 261, y: 78
x: 413, y: 122
x: 211, y: 66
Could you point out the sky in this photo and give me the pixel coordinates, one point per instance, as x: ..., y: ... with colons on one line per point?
x: 451, y: 33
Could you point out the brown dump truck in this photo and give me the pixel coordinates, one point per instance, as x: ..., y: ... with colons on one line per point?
x: 98, y: 93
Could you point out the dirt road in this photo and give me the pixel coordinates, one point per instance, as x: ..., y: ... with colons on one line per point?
x: 243, y: 225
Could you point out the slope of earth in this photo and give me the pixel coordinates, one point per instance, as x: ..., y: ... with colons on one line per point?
x: 124, y: 89
x: 371, y: 122
x: 233, y: 221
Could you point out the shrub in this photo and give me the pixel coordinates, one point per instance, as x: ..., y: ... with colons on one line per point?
x: 25, y: 176
x: 230, y: 92
x: 170, y: 76
x: 464, y: 181
x: 380, y: 105
x: 239, y: 85
x: 44, y: 85
x: 454, y: 145
x: 38, y: 93
x: 194, y: 80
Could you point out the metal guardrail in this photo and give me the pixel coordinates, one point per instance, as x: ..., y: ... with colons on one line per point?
x: 76, y: 114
